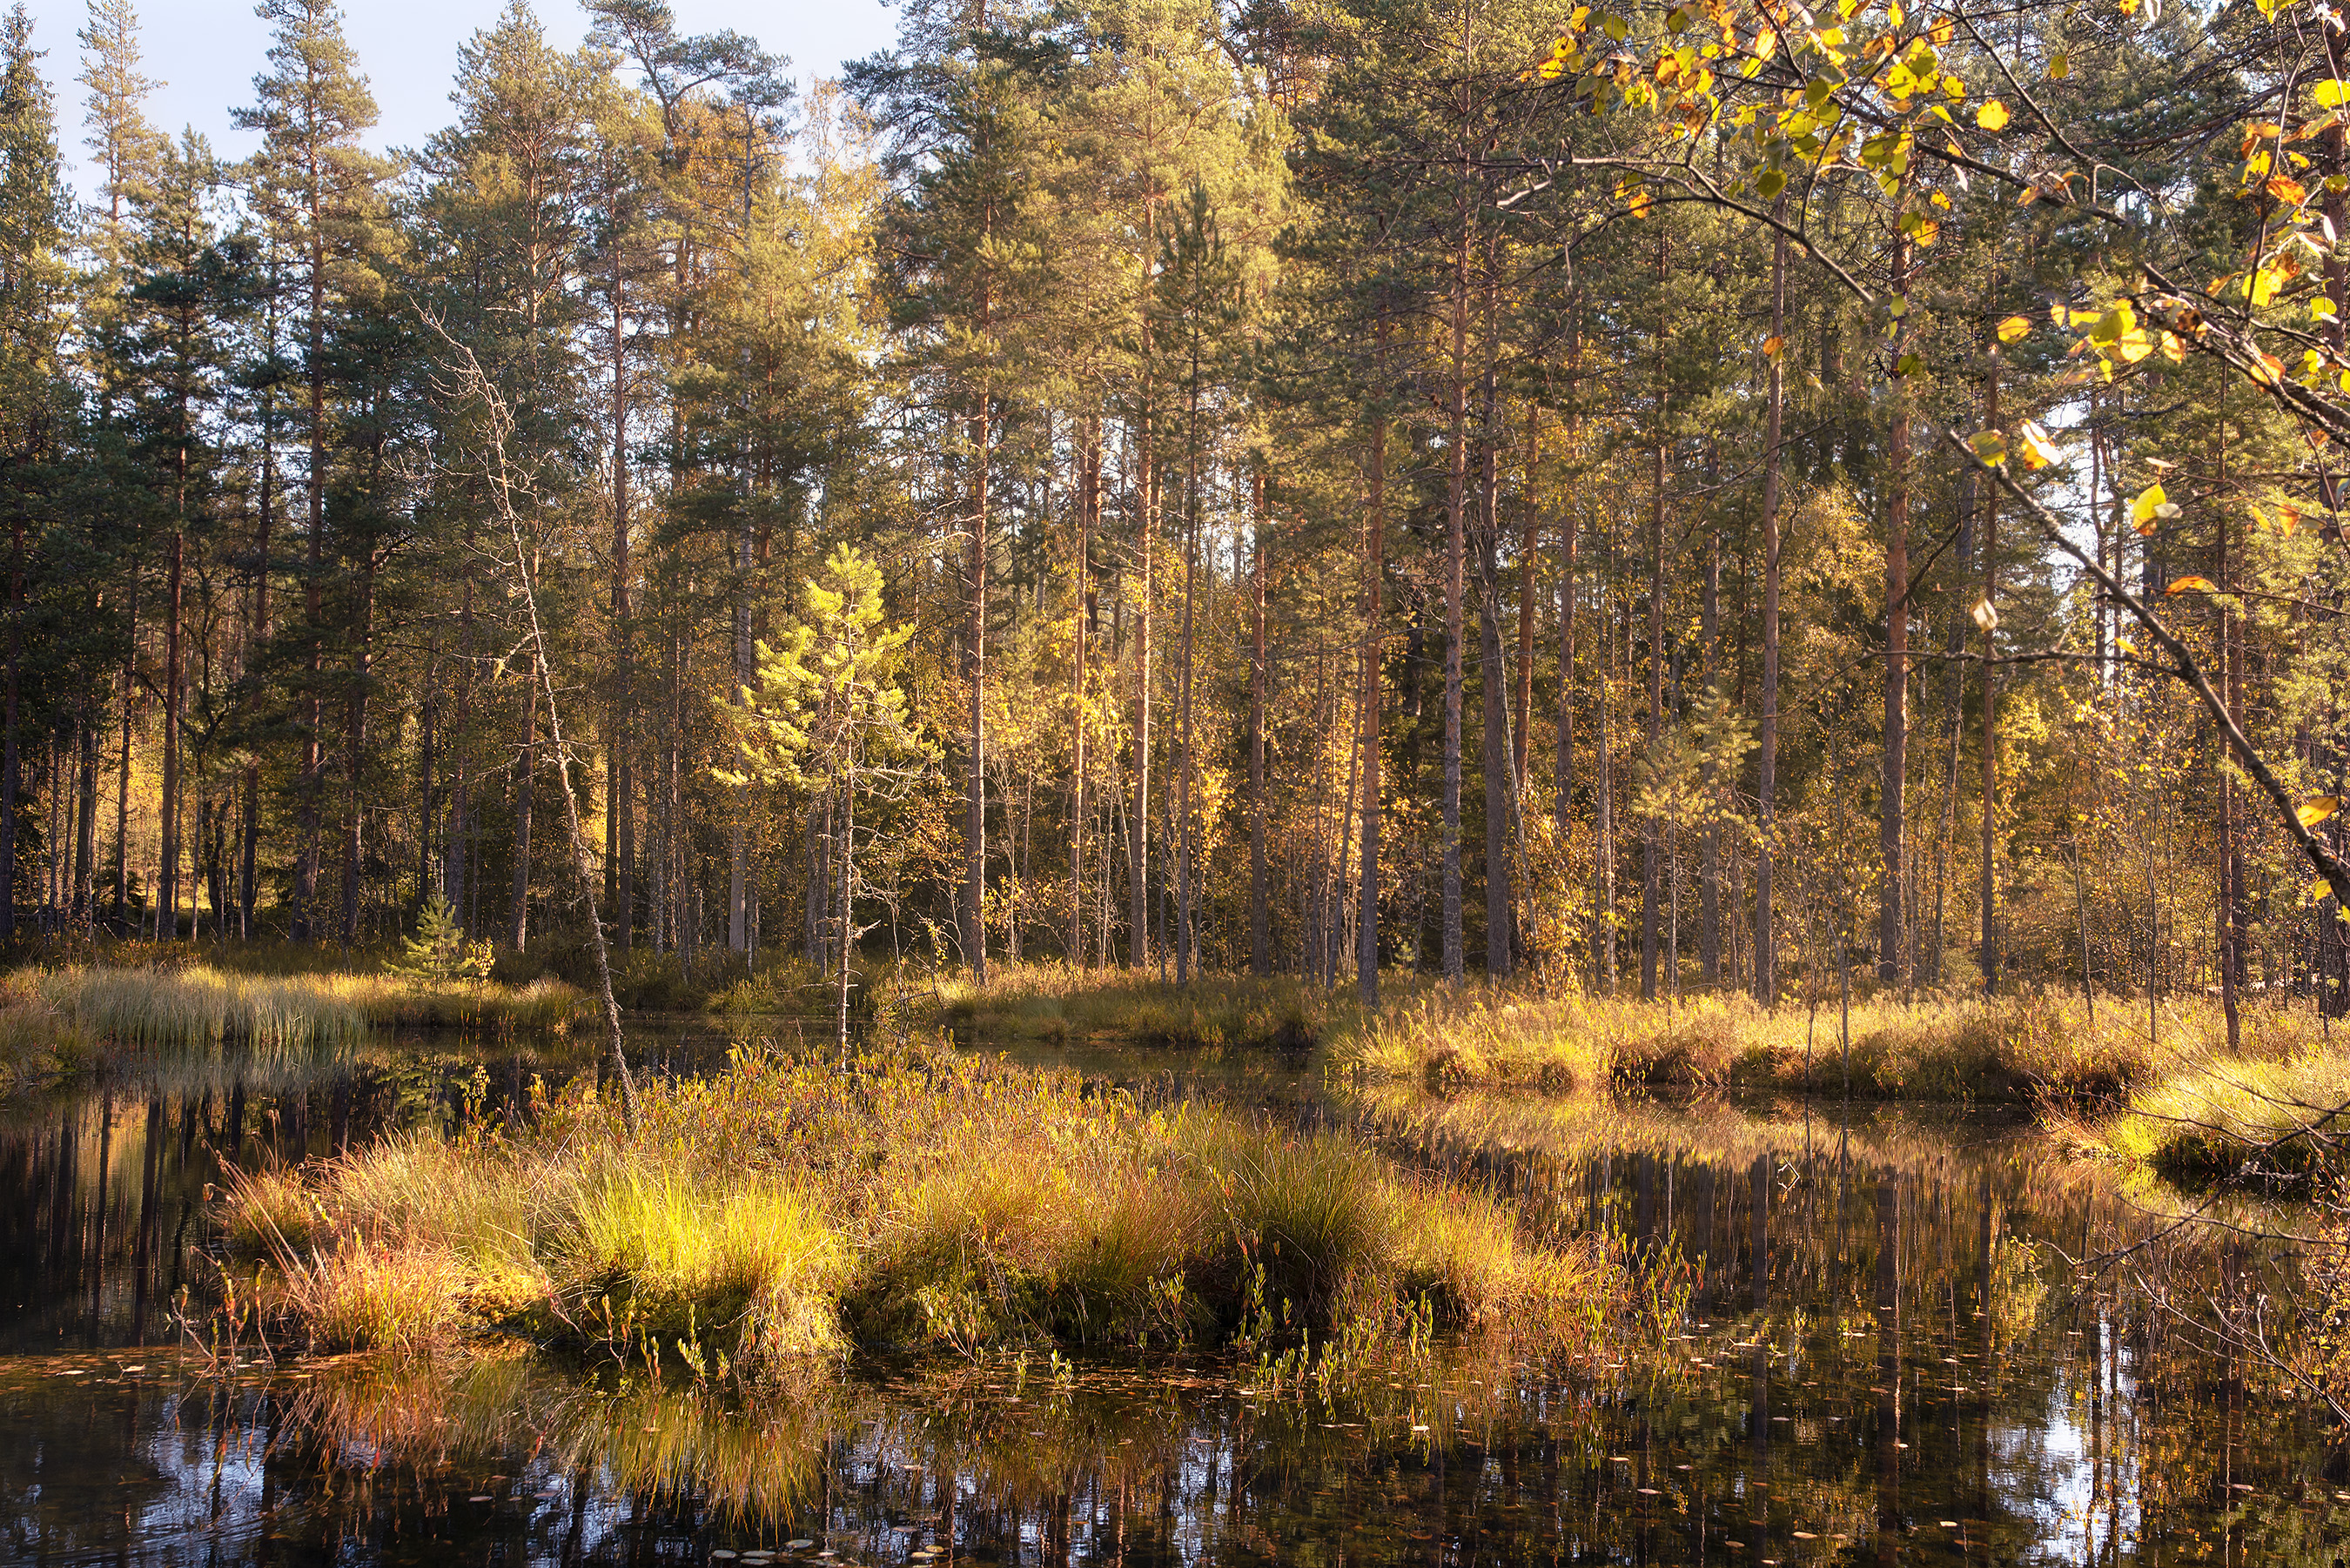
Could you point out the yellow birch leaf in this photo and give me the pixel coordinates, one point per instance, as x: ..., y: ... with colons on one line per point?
x: 1992, y: 116
x: 2039, y: 452
x: 2189, y: 586
x: 2317, y: 808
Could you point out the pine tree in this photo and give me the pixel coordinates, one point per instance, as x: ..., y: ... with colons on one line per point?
x: 319, y: 190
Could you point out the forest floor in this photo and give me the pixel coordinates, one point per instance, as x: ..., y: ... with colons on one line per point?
x: 786, y: 1206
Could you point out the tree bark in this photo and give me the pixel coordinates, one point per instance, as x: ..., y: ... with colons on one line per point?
x: 1138, y: 829
x: 1493, y: 701
x: 1893, y: 776
x: 355, y: 742
x: 1375, y: 534
x: 1081, y: 608
x: 974, y: 842
x: 620, y: 792
x: 1529, y: 614
x: 525, y: 766
x: 1652, y: 848
x: 313, y: 779
x: 1766, y: 767
x: 10, y: 760
x: 1456, y: 488
x: 1988, y: 896
x: 166, y: 889
x: 1260, y: 934
x: 1709, y: 924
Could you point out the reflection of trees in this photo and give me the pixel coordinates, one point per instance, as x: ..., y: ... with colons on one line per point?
x: 102, y: 1184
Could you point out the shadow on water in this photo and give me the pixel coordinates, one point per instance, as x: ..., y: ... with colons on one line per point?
x: 1884, y: 1353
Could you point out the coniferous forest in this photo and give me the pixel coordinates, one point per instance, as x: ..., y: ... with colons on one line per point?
x: 1717, y: 496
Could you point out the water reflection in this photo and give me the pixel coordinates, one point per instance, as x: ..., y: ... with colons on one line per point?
x: 1886, y: 1355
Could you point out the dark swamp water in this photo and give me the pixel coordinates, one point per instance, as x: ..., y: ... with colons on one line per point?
x: 1885, y: 1357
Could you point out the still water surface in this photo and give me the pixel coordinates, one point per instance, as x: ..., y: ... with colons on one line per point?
x: 1887, y: 1357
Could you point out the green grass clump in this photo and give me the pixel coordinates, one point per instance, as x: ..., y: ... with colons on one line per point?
x: 2270, y: 1121
x: 786, y: 1207
x: 2012, y: 1050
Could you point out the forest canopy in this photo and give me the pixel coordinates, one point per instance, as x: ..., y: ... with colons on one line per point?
x: 1724, y: 494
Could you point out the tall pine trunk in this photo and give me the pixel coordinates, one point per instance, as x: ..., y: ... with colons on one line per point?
x: 620, y: 792
x: 1766, y: 752
x: 525, y: 767
x: 166, y: 889
x: 1260, y: 935
x: 1139, y: 828
x: 313, y: 778
x: 1500, y: 777
x: 1456, y: 497
x: 1988, y: 617
x: 1089, y: 476
x: 1375, y: 535
x: 1652, y: 848
x: 355, y: 742
x: 974, y: 840
x: 1894, y: 777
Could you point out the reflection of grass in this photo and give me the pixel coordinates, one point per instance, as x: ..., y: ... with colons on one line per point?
x: 781, y: 1205
x: 2004, y: 1049
x: 1010, y: 1433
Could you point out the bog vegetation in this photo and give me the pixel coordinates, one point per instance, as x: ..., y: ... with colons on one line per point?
x: 789, y: 1207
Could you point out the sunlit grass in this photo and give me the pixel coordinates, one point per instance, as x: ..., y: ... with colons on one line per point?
x: 199, y: 1007
x: 2008, y: 1049
x: 2272, y: 1120
x: 785, y: 1209
x: 1056, y: 1003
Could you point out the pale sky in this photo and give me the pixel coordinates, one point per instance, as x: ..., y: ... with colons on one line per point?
x: 207, y: 52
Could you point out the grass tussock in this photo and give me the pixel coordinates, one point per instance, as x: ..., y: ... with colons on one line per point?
x: 1056, y: 1004
x: 198, y: 1008
x: 2020, y: 1049
x: 784, y: 1208
x: 2273, y: 1121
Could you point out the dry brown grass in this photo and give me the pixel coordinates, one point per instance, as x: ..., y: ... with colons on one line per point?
x: 2005, y: 1049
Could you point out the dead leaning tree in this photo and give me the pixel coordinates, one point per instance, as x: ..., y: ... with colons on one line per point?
x: 465, y: 382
